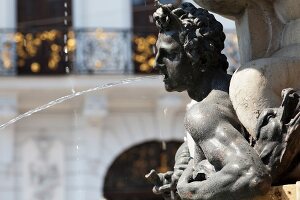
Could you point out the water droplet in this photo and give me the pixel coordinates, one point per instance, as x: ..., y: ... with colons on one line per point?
x: 165, y: 111
x: 66, y: 13
x: 66, y: 22
x: 67, y: 70
x: 66, y: 49
x: 164, y: 145
x: 70, y: 96
x: 66, y: 5
x: 66, y: 58
x: 65, y: 38
x: 151, y: 19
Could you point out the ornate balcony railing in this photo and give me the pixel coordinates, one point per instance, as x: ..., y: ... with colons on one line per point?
x: 7, y: 53
x: 84, y: 51
x: 99, y: 52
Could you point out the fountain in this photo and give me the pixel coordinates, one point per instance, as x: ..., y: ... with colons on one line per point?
x: 83, y: 143
x: 80, y: 129
x: 72, y: 95
x: 236, y: 154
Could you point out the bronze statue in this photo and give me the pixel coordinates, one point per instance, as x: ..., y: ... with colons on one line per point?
x: 189, y: 55
x: 228, y: 163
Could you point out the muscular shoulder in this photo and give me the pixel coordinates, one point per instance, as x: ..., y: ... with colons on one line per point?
x: 206, y: 116
x: 202, y: 118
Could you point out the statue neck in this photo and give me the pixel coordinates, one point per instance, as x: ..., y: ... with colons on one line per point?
x: 208, y: 81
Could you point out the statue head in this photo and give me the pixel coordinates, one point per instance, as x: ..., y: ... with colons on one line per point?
x: 189, y: 44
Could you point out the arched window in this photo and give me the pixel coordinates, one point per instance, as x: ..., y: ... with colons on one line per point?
x: 125, y: 178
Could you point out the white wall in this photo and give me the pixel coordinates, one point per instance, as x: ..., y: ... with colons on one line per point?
x: 8, y: 13
x: 102, y: 14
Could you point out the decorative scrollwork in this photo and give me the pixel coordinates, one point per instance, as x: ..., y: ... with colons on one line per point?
x: 102, y: 52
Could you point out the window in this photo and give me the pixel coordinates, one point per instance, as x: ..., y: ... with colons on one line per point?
x: 42, y: 37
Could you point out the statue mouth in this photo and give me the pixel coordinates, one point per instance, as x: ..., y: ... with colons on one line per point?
x: 163, y: 71
x: 165, y: 76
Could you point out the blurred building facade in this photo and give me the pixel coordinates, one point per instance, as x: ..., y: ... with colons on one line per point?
x: 78, y: 149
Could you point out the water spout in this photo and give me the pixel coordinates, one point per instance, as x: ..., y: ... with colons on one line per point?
x: 74, y: 94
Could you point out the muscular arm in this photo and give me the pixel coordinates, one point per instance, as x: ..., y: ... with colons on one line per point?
x: 239, y: 171
x: 182, y: 159
x: 232, y: 182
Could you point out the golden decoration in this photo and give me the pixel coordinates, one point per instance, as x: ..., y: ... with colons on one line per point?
x: 144, y: 55
x: 29, y: 44
x: 151, y: 39
x: 18, y: 37
x: 28, y: 36
x: 98, y: 64
x: 35, y: 67
x: 52, y: 64
x: 151, y: 62
x: 100, y: 34
x: 6, y: 56
x: 140, y: 58
x: 144, y: 67
x: 55, y: 47
x: 71, y: 44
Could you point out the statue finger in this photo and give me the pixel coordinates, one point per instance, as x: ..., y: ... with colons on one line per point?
x: 168, y: 174
x: 187, y: 175
x: 156, y: 190
x: 165, y: 188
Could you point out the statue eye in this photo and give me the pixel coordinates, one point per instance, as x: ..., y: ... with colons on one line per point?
x: 172, y: 55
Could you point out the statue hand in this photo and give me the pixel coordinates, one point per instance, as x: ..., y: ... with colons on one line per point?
x: 167, y: 189
x: 165, y: 183
x: 175, y: 177
x: 187, y: 175
x: 185, y: 179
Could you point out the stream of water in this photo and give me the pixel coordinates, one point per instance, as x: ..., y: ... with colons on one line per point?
x: 70, y: 96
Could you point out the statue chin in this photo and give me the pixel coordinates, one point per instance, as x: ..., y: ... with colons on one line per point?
x: 172, y: 87
x: 169, y: 87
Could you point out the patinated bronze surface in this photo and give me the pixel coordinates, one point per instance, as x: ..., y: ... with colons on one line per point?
x: 278, y: 139
x: 228, y: 163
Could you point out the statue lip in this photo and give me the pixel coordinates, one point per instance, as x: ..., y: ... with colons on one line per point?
x: 163, y: 71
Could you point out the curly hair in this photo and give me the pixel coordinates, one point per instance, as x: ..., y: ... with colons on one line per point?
x: 200, y: 33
